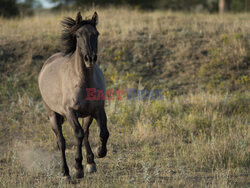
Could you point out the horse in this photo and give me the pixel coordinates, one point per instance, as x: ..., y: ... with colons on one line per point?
x: 63, y: 82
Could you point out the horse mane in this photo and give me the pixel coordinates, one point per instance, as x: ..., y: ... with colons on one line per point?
x: 68, y: 37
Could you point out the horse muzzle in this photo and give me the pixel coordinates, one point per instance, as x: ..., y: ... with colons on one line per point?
x: 90, y: 60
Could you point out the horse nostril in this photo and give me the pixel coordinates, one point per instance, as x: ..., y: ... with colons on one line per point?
x: 95, y: 58
x: 86, y: 58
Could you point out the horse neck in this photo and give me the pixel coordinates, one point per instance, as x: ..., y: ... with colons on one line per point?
x: 84, y: 75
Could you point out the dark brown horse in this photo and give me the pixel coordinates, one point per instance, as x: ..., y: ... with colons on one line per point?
x: 63, y: 81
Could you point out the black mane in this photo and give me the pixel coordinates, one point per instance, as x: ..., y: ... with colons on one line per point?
x: 68, y: 36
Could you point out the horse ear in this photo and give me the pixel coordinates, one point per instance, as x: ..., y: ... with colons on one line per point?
x: 94, y: 19
x: 78, y: 18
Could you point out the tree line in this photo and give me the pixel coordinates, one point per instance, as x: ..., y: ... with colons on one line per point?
x: 10, y: 8
x: 187, y: 5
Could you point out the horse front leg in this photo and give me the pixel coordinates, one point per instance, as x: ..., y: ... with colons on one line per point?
x: 79, y: 135
x: 91, y: 166
x: 101, y: 119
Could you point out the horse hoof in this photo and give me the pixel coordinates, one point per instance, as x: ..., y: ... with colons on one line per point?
x: 100, y: 153
x: 79, y: 174
x: 91, y: 168
x: 66, y: 178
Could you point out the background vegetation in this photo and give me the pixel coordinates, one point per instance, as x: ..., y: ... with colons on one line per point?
x: 10, y: 8
x: 197, y: 136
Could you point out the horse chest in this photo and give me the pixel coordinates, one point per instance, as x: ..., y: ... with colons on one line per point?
x: 83, y: 106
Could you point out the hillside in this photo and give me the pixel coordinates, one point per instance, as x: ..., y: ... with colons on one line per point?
x: 196, y: 136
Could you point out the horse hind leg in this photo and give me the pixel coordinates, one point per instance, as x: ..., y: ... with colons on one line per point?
x: 101, y: 119
x: 91, y: 166
x: 56, y: 121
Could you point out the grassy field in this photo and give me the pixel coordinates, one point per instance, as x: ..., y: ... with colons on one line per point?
x: 196, y: 136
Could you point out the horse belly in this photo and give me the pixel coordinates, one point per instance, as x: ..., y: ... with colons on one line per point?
x: 50, y: 89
